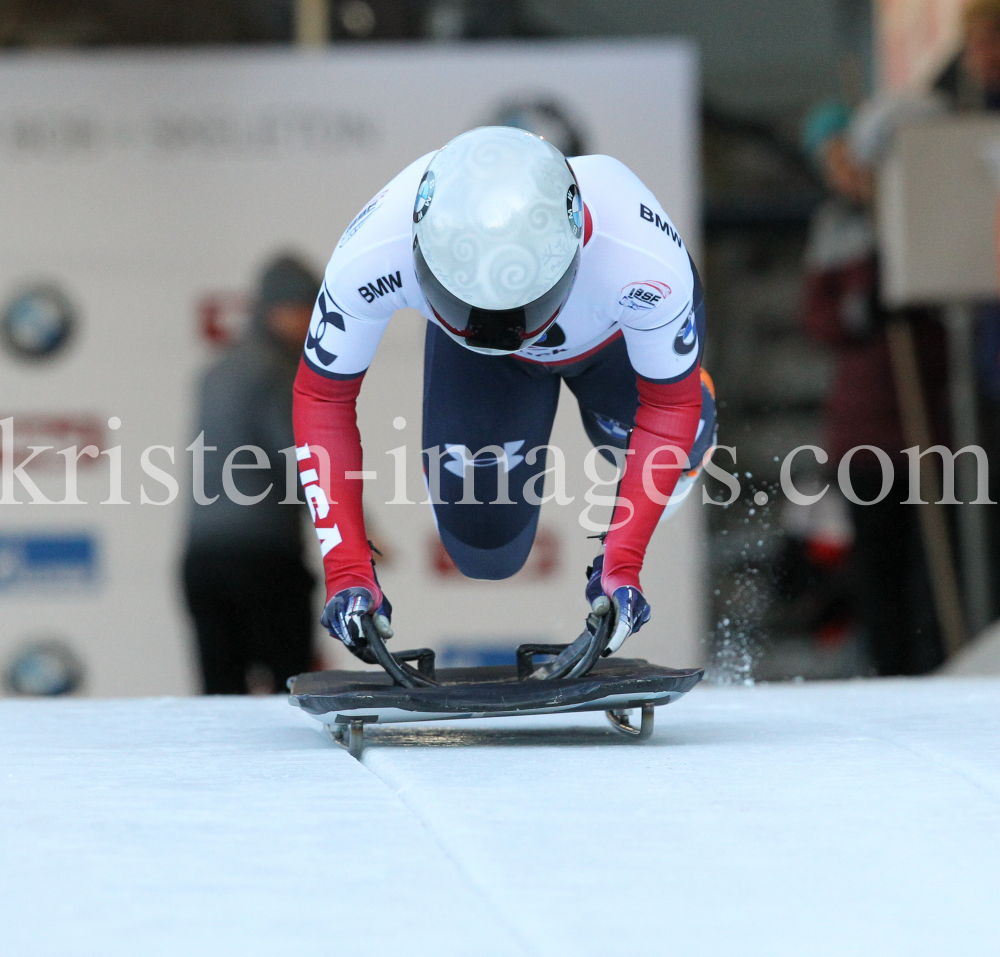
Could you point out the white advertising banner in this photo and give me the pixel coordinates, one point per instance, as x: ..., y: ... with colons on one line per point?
x: 138, y: 196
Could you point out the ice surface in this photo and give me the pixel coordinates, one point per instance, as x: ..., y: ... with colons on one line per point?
x: 217, y: 827
x: 839, y: 819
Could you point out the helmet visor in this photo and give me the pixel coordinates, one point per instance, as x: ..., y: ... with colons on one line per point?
x: 501, y: 330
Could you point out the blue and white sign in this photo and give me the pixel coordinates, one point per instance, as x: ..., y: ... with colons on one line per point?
x: 47, y: 561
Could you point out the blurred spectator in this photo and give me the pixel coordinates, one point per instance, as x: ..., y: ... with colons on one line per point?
x: 812, y: 569
x: 971, y: 82
x: 247, y: 588
x: 890, y: 582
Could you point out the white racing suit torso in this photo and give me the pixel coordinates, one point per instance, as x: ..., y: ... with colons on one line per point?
x: 635, y: 277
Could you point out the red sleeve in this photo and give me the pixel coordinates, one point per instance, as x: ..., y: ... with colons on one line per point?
x: 328, y: 449
x: 668, y: 415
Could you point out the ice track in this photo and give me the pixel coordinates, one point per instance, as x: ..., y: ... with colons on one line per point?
x: 839, y: 819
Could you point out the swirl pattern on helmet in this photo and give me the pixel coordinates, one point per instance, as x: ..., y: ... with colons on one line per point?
x: 498, y: 233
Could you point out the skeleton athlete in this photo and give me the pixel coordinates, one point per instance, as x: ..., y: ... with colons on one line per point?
x: 530, y: 269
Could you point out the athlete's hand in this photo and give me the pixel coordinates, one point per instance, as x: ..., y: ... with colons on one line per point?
x: 628, y: 605
x: 630, y: 610
x: 343, y: 614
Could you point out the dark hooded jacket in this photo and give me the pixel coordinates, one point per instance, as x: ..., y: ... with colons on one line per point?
x: 245, y: 398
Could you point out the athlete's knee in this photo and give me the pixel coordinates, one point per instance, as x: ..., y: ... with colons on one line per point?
x: 491, y: 563
x: 487, y: 564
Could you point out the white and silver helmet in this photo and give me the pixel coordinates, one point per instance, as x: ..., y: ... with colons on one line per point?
x: 497, y: 234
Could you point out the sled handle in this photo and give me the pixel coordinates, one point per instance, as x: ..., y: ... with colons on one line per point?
x: 526, y: 657
x: 576, y: 659
x: 395, y: 666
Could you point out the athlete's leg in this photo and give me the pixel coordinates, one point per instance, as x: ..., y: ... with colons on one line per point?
x: 472, y: 401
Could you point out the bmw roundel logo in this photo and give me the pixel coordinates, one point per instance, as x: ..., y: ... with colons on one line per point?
x: 37, y: 323
x: 47, y: 667
x: 424, y: 196
x: 687, y: 338
x: 574, y: 209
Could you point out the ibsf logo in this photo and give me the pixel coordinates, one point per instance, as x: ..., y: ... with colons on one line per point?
x: 644, y: 295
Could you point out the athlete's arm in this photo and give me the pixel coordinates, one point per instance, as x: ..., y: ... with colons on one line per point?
x: 667, y: 360
x: 668, y: 416
x: 328, y: 441
x: 368, y: 278
x: 338, y: 351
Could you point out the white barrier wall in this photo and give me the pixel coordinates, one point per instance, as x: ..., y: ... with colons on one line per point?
x: 136, y: 187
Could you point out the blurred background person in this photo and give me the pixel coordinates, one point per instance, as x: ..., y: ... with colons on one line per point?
x: 247, y: 587
x: 971, y: 83
x: 971, y: 80
x: 890, y: 583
